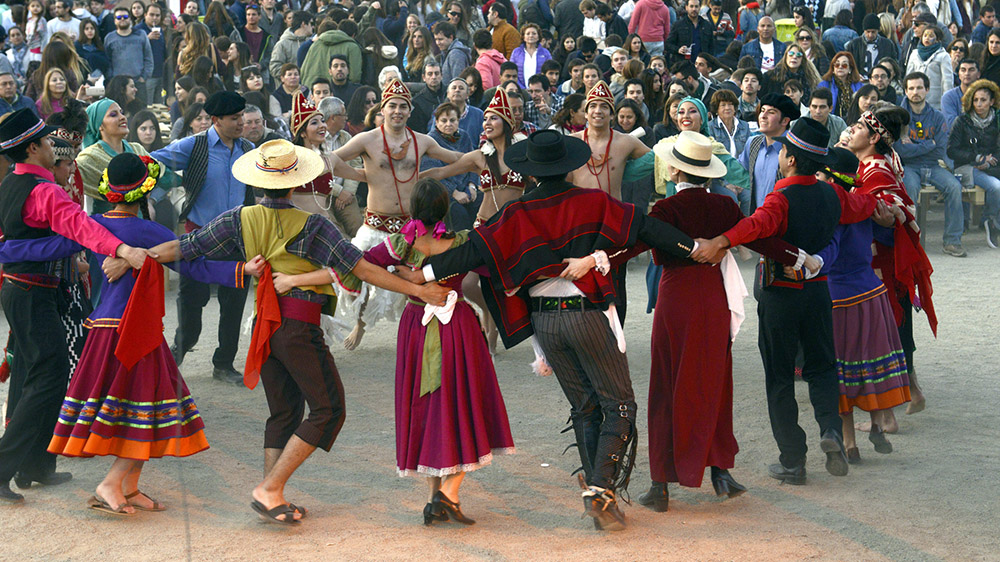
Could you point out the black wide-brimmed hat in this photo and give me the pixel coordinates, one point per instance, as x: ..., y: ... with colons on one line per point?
x: 547, y: 153
x: 808, y: 139
x: 21, y: 127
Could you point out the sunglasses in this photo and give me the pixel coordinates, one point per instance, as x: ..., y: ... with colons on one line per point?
x: 958, y: 48
x: 805, y: 38
x: 122, y: 17
x: 796, y: 55
x: 369, y: 101
x: 454, y: 14
x: 842, y: 65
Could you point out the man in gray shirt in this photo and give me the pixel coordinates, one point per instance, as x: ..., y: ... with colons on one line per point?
x: 123, y: 46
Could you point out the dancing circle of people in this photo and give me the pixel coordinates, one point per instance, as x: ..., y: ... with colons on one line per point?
x: 840, y: 273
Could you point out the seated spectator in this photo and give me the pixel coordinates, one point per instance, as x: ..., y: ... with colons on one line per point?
x: 765, y: 50
x: 841, y: 33
x: 987, y: 20
x: 474, y: 81
x: 319, y: 90
x: 255, y: 128
x: 634, y: 91
x: 196, y: 120
x: 669, y: 126
x: 749, y: 80
x: 951, y: 101
x: 879, y: 78
x: 122, y: 89
x: 363, y: 100
x: 920, y: 152
x: 792, y: 66
x: 808, y: 41
x: 794, y: 90
x: 203, y: 73
x: 17, y: 53
x: 974, y: 145
x: 727, y: 128
x: 863, y: 99
x: 571, y: 118
x: 842, y: 79
x: 55, y: 94
x: 488, y: 59
x: 10, y: 100
x: 465, y: 196
x: 543, y: 104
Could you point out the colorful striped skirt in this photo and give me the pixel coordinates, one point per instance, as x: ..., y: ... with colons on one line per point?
x: 142, y: 413
x: 871, y: 365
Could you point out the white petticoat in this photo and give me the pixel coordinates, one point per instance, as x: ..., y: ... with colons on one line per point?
x: 381, y: 303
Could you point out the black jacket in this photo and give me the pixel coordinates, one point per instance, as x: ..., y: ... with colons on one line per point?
x: 682, y: 33
x: 858, y: 48
x: 967, y: 142
x: 424, y: 104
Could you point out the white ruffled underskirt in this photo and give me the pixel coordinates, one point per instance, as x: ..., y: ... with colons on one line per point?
x: 381, y: 303
x: 427, y: 471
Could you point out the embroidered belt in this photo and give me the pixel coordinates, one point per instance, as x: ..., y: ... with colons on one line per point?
x: 386, y: 223
x: 301, y: 310
x: 36, y: 279
x: 501, y: 187
x: 549, y: 304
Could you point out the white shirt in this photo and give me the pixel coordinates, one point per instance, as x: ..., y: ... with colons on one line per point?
x: 71, y: 27
x: 530, y: 64
x: 768, y: 61
x: 594, y: 27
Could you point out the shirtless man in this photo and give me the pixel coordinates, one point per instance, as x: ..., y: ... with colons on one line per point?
x: 610, y: 150
x: 390, y: 181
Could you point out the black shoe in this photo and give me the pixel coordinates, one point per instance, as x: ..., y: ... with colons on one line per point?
x: 8, y: 495
x: 430, y: 515
x: 228, y: 375
x: 178, y: 354
x: 992, y: 234
x: 877, y: 437
x: 601, y: 504
x: 657, y: 498
x: 449, y: 509
x: 836, y: 456
x: 24, y: 481
x: 725, y: 484
x: 795, y: 475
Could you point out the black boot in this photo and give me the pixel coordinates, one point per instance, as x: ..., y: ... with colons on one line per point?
x: 602, y: 505
x: 587, y: 430
x: 725, y: 484
x: 657, y: 498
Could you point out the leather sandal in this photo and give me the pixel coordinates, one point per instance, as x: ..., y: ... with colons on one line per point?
x: 157, y: 506
x: 283, y: 513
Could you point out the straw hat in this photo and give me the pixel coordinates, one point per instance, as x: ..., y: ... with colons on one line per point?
x: 691, y: 153
x: 278, y: 164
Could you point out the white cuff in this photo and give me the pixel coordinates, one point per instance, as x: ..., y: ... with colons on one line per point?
x: 809, y: 274
x: 694, y: 248
x: 802, y: 259
x: 601, y: 262
x: 428, y: 272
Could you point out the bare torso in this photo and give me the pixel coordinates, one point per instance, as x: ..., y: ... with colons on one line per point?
x: 390, y: 182
x: 598, y: 174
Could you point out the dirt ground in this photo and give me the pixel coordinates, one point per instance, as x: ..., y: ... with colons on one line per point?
x: 930, y: 499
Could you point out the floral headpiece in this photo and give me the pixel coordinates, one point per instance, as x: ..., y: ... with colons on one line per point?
x: 134, y: 191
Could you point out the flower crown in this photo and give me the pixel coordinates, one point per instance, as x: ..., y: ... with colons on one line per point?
x: 132, y: 192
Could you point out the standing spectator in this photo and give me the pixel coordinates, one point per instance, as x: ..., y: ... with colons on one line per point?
x: 456, y: 14
x: 568, y: 19
x: 974, y: 141
x: 390, y: 20
x: 593, y: 27
x: 17, y: 54
x: 871, y: 47
x: 842, y: 80
x: 807, y: 39
x: 152, y: 27
x: 505, y: 36
x: 747, y: 19
x: 987, y: 19
x: 613, y: 23
x: 765, y: 50
x: 529, y: 56
x: 792, y: 66
x: 991, y: 61
x: 124, y: 47
x: 841, y: 33
x: 820, y: 104
x: 419, y: 50
x: 56, y: 55
x: 104, y: 18
x: 636, y: 48
x: 36, y: 32
x: 489, y: 59
x: 566, y: 46
x: 651, y: 21
x: 689, y: 35
x: 331, y: 42
x: 281, y: 98
x: 920, y: 152
x: 951, y: 101
x: 210, y: 155
x: 10, y: 100
x: 425, y: 100
x: 287, y: 47
x: 271, y: 20
x: 197, y: 43
x: 219, y: 21
x: 340, y: 71
x: 238, y: 11
x: 931, y: 59
x: 455, y: 56
x: 260, y: 41
x: 723, y: 32
x: 64, y: 20
x: 879, y: 78
x: 543, y: 104
x: 749, y: 82
x: 727, y: 128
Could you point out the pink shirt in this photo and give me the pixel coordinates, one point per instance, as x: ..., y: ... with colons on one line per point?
x: 49, y: 206
x: 650, y: 20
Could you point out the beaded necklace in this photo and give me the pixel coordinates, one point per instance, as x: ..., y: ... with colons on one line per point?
x: 595, y: 169
x: 392, y: 168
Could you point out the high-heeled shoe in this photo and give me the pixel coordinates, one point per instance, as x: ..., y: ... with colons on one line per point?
x: 725, y: 484
x: 657, y: 498
x: 430, y: 515
x: 450, y: 509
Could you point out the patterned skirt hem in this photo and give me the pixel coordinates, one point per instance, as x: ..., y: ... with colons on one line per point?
x: 96, y: 446
x: 428, y: 471
x: 872, y: 402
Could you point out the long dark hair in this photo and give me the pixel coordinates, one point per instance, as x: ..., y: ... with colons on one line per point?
x: 893, y: 118
x: 96, y: 41
x: 133, y: 129
x: 356, y: 107
x: 640, y: 119
x: 116, y: 91
x: 572, y: 103
x: 429, y: 202
x: 190, y: 114
x: 202, y: 72
x: 854, y: 112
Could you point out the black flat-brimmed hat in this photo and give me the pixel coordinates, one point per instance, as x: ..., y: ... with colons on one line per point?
x: 782, y: 103
x: 808, y: 139
x: 224, y: 103
x: 21, y: 127
x: 547, y: 153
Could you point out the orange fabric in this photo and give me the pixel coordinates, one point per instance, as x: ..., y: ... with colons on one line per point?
x: 141, y: 328
x: 872, y: 402
x: 95, y: 445
x: 267, y: 322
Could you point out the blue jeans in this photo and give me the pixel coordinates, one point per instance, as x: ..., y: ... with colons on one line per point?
x: 991, y: 186
x: 654, y: 47
x: 945, y: 182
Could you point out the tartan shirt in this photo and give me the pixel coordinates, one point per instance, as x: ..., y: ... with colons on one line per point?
x: 319, y: 242
x: 531, y: 113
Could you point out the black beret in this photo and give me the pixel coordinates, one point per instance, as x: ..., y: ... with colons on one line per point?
x: 125, y: 169
x: 225, y: 103
x: 782, y: 103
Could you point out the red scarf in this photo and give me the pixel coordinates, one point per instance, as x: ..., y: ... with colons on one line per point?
x: 140, y: 330
x: 268, y: 321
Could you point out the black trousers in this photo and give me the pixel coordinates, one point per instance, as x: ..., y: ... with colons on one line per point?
x: 191, y: 299
x: 787, y: 318
x: 594, y: 376
x: 33, y: 314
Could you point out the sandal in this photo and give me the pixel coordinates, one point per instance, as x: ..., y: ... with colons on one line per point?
x: 299, y: 509
x: 97, y: 503
x: 284, y: 513
x: 157, y: 506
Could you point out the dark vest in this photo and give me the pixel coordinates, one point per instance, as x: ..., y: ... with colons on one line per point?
x: 14, y: 191
x: 813, y: 215
x: 197, y: 171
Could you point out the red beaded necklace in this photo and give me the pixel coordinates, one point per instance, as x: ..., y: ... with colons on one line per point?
x: 392, y: 168
x: 595, y: 169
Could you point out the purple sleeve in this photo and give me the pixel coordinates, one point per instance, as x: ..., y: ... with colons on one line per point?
x: 226, y: 273
x: 50, y: 248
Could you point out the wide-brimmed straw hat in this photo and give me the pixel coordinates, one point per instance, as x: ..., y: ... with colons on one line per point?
x: 278, y: 164
x: 547, y: 153
x: 691, y: 153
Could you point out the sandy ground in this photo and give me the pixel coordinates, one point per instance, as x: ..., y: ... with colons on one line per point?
x: 930, y: 499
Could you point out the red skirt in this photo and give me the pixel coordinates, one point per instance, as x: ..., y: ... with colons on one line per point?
x: 691, y: 377
x: 142, y: 413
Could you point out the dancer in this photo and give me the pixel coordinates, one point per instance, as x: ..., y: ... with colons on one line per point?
x: 287, y: 351
x: 898, y: 258
x: 871, y: 366
x: 33, y: 206
x: 127, y: 398
x: 804, y: 212
x: 697, y: 316
x: 576, y: 323
x: 391, y: 155
x: 450, y: 416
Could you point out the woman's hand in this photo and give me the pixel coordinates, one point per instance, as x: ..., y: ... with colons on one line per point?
x: 460, y: 197
x: 283, y: 283
x: 114, y: 268
x: 432, y: 293
x: 812, y: 264
x: 344, y: 199
x: 577, y: 267
x: 414, y: 276
x: 254, y: 266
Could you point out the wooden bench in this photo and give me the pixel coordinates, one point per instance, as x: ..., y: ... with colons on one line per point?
x: 976, y: 197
